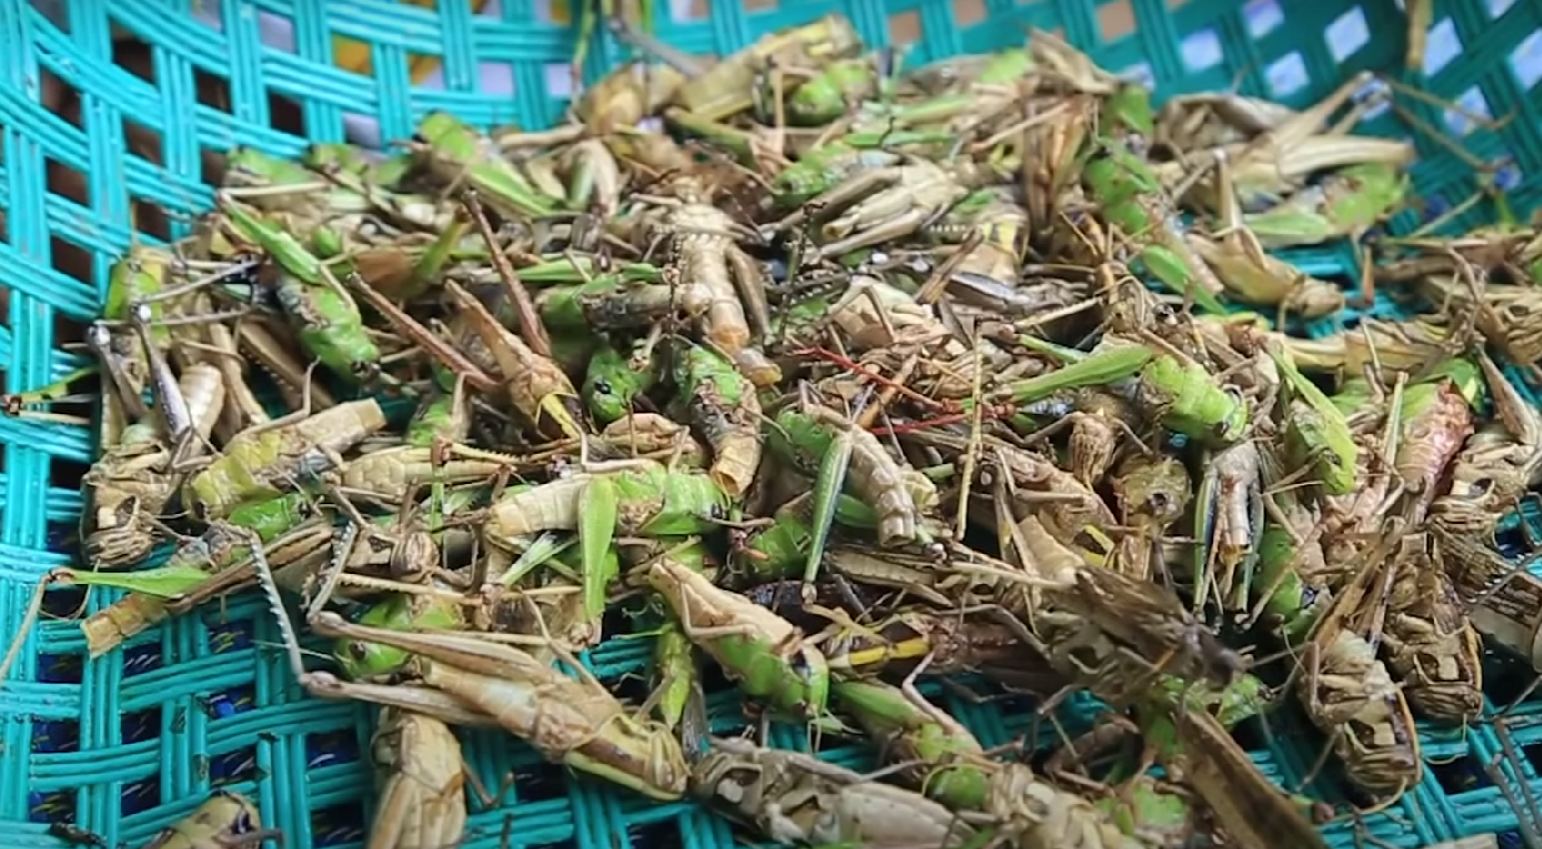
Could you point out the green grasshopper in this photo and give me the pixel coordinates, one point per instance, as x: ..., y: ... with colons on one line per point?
x: 944, y: 761
x: 612, y: 386
x: 1131, y: 199
x: 457, y: 153
x: 1180, y: 391
x: 1318, y: 429
x: 723, y: 408
x: 258, y: 461
x: 643, y: 498
x: 574, y: 721
x: 755, y: 646
x: 322, y: 310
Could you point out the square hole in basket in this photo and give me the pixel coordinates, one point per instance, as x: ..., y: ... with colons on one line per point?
x: 1533, y: 754
x: 60, y: 668
x: 1498, y: 7
x: 1441, y: 47
x: 1468, y: 109
x: 331, y: 748
x: 1202, y: 50
x: 540, y: 781
x: 967, y: 13
x: 1347, y: 34
x: 1286, y: 75
x: 1508, y: 176
x: 1262, y: 17
x: 229, y: 703
x: 1459, y: 775
x: 140, y: 725
x: 760, y: 5
x: 140, y: 795
x: 655, y: 835
x: 905, y: 27
x: 145, y: 657
x: 234, y: 767
x: 1116, y: 20
x: 64, y: 602
x: 56, y: 806
x: 55, y: 735
x: 229, y: 635
x: 558, y: 78
x: 338, y: 824
x: 1526, y: 60
x: 63, y: 537
x: 495, y: 78
x: 570, y: 843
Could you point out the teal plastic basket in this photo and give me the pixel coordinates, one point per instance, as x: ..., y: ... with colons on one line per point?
x: 124, y: 745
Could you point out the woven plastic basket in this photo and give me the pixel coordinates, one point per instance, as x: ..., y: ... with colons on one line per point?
x: 126, y: 744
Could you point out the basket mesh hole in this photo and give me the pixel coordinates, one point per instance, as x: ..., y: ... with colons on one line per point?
x: 1115, y: 20
x: 558, y: 77
x: 1177, y: 4
x: 1526, y: 60
x: 760, y: 5
x: 64, y: 602
x: 1262, y: 17
x: 64, y: 537
x: 1287, y: 75
x: 140, y: 725
x: 967, y: 13
x: 570, y: 843
x: 234, y: 767
x: 332, y: 747
x: 1442, y: 46
x: 58, y: 806
x: 1202, y: 50
x: 236, y: 700
x: 1347, y: 34
x: 1533, y: 753
x: 495, y: 78
x: 1462, y: 118
x: 540, y: 781
x: 1508, y: 176
x: 228, y: 636
x: 1460, y: 775
x: 650, y: 835
x: 60, y: 668
x: 58, y: 735
x: 695, y: 10
x: 69, y: 258
x: 905, y: 27
x: 337, y: 824
x: 145, y: 657
x: 141, y: 795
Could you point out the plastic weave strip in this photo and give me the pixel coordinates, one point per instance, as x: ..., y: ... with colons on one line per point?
x: 131, y: 742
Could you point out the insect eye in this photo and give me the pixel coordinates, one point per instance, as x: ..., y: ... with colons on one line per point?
x: 357, y: 650
x: 603, y: 387
x: 1159, y: 501
x: 243, y: 823
x: 1518, y: 310
x: 1483, y: 485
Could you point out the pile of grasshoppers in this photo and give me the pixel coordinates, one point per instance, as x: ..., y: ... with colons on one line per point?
x: 839, y: 377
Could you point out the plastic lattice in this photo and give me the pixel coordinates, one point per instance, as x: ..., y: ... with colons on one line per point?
x: 90, y: 139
